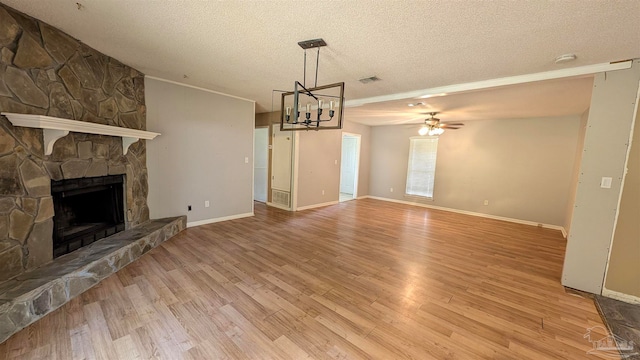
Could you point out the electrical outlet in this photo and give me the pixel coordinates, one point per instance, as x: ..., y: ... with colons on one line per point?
x: 390, y: 189
x: 605, y: 183
x: 206, y: 203
x: 189, y: 208
x: 486, y: 202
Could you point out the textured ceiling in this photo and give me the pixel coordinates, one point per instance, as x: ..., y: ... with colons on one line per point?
x: 248, y: 48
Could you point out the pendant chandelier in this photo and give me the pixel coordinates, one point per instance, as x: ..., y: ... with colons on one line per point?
x: 314, y: 108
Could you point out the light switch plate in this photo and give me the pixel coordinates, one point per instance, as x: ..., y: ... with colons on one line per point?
x: 605, y: 183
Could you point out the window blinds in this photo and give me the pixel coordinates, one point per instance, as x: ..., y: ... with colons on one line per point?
x: 422, y: 166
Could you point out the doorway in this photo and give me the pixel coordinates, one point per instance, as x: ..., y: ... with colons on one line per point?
x: 260, y: 164
x: 349, y: 166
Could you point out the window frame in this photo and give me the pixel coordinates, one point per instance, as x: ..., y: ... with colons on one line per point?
x: 410, y: 170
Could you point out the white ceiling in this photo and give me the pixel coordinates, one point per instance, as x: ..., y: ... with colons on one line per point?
x: 249, y: 48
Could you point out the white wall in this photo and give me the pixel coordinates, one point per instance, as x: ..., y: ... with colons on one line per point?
x: 576, y: 172
x: 200, y: 154
x: 523, y: 167
x: 613, y: 103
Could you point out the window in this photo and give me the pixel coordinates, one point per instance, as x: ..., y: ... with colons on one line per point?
x: 421, y: 171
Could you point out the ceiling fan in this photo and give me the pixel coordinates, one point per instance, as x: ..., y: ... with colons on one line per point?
x: 433, y: 127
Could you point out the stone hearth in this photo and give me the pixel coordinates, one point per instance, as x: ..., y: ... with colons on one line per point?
x: 35, y: 293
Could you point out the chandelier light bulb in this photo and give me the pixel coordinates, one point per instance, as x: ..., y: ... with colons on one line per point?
x: 424, y: 130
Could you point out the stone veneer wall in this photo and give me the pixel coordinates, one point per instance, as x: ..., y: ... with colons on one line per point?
x: 44, y: 71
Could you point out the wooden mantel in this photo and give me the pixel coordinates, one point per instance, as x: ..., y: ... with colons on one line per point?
x: 56, y: 128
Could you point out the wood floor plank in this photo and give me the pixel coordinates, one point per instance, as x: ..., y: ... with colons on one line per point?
x: 363, y: 279
x: 290, y: 348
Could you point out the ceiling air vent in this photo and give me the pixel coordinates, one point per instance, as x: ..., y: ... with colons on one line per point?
x: 369, y: 79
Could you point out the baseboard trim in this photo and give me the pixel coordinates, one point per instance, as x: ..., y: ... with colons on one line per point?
x: 215, y: 220
x: 282, y: 207
x: 316, y: 205
x: 564, y: 232
x: 621, y: 296
x: 465, y: 212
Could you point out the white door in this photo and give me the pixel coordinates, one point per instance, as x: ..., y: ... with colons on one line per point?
x: 349, y: 166
x: 281, y: 171
x: 260, y: 164
x: 281, y: 168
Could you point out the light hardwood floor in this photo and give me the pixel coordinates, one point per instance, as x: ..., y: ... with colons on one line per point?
x: 361, y: 279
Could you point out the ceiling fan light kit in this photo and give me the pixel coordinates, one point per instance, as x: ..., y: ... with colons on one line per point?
x: 431, y: 131
x: 433, y: 127
x: 322, y: 105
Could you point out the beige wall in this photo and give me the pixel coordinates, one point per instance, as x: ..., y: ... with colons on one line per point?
x: 523, y: 167
x: 201, y: 153
x: 605, y: 154
x: 318, y: 167
x: 623, y: 275
x: 319, y: 154
x: 576, y: 171
x: 265, y: 119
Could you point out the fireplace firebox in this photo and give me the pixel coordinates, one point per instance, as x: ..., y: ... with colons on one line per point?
x: 86, y: 210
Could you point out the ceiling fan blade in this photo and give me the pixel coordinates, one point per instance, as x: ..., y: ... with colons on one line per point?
x: 448, y: 127
x: 452, y: 123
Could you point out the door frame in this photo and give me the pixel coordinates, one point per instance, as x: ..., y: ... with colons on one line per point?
x: 356, y: 176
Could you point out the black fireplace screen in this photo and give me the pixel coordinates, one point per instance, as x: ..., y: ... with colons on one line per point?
x: 86, y: 210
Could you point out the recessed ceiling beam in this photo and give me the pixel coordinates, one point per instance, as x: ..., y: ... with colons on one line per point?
x: 487, y: 84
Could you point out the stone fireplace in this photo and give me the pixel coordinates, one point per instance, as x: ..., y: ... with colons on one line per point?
x: 79, y: 193
x: 86, y: 210
x: 44, y: 71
